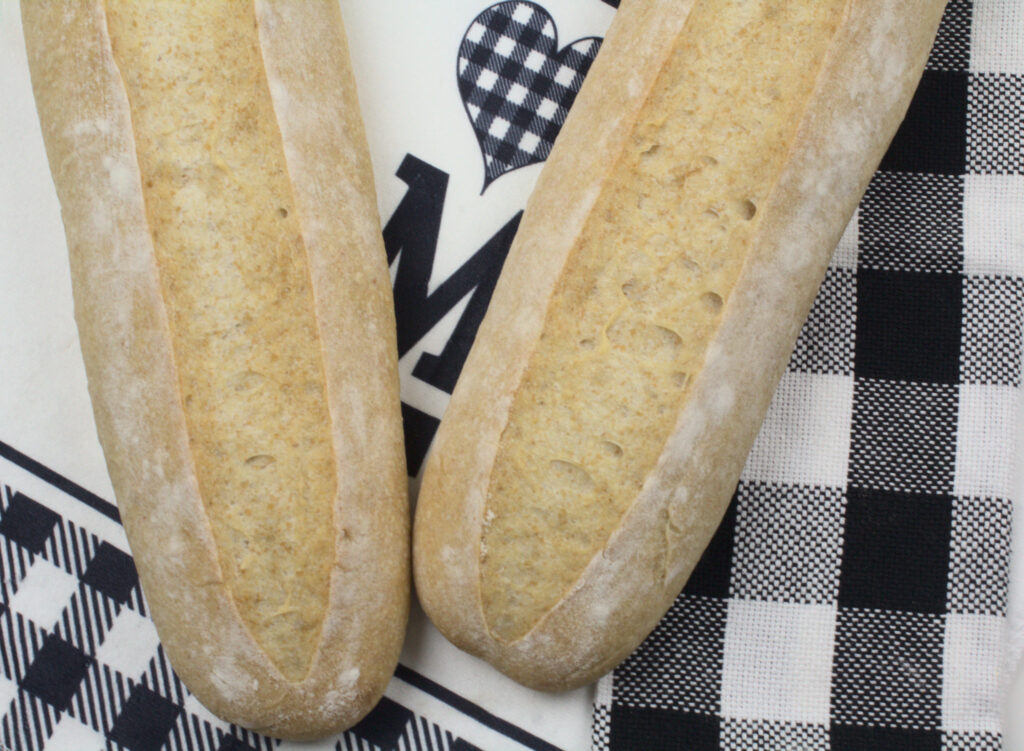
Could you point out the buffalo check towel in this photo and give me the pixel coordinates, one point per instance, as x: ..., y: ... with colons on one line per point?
x: 856, y: 594
x: 854, y: 598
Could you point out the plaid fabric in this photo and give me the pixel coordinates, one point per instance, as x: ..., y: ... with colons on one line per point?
x: 81, y: 666
x: 855, y: 596
x: 517, y: 86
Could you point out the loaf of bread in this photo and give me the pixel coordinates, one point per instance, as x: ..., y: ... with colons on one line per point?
x: 235, y: 315
x: 663, y: 269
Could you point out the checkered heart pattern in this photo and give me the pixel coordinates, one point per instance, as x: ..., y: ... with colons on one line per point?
x: 516, y: 85
x: 855, y: 596
x: 81, y: 667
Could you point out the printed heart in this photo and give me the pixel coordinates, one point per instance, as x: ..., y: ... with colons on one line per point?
x: 516, y: 85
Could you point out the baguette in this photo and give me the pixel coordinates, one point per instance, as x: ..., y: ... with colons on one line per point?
x: 234, y: 308
x: 664, y: 266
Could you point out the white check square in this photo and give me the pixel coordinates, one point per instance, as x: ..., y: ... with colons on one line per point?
x: 130, y: 644
x: 529, y: 142
x: 994, y: 224
x: 476, y: 32
x: 997, y: 27
x: 505, y: 46
x: 970, y: 673
x: 535, y: 60
x: 548, y: 108
x: 522, y: 14
x: 499, y: 127
x: 984, y: 458
x: 517, y: 93
x: 44, y: 593
x: 486, y: 79
x: 565, y: 76
x: 71, y: 734
x: 805, y: 438
x: 778, y: 661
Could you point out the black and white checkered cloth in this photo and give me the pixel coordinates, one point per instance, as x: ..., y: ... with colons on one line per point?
x: 855, y: 596
x: 516, y: 85
x: 82, y: 669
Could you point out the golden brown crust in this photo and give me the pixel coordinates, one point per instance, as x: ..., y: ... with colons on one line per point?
x: 235, y: 281
x: 641, y: 296
x: 867, y: 79
x: 132, y: 380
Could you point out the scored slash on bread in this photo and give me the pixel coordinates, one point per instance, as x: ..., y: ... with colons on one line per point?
x: 234, y: 307
x: 664, y: 266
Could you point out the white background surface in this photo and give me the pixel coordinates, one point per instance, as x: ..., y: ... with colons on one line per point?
x: 406, y: 72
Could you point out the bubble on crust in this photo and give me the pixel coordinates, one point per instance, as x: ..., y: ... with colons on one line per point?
x: 632, y: 291
x: 712, y: 302
x: 642, y: 338
x: 260, y: 461
x: 611, y: 448
x: 571, y: 474
x: 746, y: 209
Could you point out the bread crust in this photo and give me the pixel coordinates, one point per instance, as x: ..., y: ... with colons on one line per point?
x: 125, y: 339
x: 864, y: 87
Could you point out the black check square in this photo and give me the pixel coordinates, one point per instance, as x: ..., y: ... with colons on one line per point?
x: 908, y: 326
x: 504, y: 152
x: 480, y: 55
x: 529, y: 35
x: 145, y: 720
x: 912, y: 222
x: 863, y: 738
x: 648, y: 728
x: 56, y: 671
x: 690, y: 637
x: 903, y: 436
x: 931, y: 139
x: 710, y: 577
x: 993, y: 330
x: 995, y: 127
x: 979, y: 558
x: 825, y: 344
x: 112, y: 572
x: 384, y: 725
x: 27, y: 523
x: 522, y: 117
x: 231, y: 743
x: 541, y: 85
x: 887, y: 670
x: 789, y: 543
x: 895, y: 551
